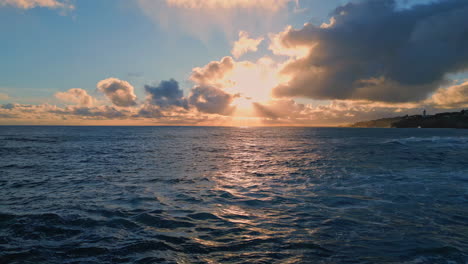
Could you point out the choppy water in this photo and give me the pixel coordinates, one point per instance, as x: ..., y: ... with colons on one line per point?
x: 233, y: 195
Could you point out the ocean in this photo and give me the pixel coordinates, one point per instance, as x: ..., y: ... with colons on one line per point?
x: 233, y: 195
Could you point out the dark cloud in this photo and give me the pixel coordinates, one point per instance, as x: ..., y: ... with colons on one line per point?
x: 373, y: 50
x: 211, y: 100
x: 166, y: 94
x: 204, y: 98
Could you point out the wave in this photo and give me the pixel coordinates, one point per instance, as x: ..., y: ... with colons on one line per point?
x: 38, y: 140
x: 430, y: 140
x: 295, y: 196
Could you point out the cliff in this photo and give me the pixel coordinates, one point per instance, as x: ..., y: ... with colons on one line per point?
x: 442, y: 120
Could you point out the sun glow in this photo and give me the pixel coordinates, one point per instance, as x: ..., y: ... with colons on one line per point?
x: 253, y: 82
x: 243, y: 102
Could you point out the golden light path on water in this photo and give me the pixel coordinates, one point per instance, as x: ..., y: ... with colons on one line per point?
x: 230, y: 195
x: 246, y: 177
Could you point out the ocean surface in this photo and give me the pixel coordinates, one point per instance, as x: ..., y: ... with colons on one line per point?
x: 233, y: 195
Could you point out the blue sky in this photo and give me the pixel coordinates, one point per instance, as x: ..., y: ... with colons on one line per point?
x: 44, y: 50
x: 49, y: 48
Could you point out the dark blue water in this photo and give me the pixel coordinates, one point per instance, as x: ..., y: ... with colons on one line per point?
x: 233, y: 195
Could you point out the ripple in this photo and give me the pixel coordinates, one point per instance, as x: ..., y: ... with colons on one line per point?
x: 226, y: 195
x: 158, y: 221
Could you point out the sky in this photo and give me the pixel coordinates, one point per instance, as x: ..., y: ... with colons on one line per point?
x: 230, y: 62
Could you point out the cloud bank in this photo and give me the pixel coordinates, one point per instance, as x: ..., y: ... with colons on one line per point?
x: 212, y: 106
x: 371, y: 50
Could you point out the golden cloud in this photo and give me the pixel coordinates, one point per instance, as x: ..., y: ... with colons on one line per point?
x: 245, y: 44
x: 28, y: 4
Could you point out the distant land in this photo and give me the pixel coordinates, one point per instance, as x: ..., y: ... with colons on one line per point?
x: 441, y: 120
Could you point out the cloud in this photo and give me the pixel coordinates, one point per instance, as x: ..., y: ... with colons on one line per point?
x: 252, y: 80
x: 149, y: 111
x: 98, y: 112
x: 167, y: 98
x: 281, y: 109
x: 203, y: 18
x: 213, y: 73
x: 279, y: 47
x: 273, y: 5
x: 28, y: 4
x: 52, y: 112
x: 13, y: 110
x: 103, y: 115
x: 245, y: 44
x: 211, y: 106
x: 373, y: 50
x: 452, y: 97
x: 211, y: 100
x: 336, y: 112
x: 121, y: 93
x: 8, y: 106
x: 76, y: 96
x: 166, y: 94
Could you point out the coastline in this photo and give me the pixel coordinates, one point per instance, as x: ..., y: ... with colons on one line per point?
x: 441, y: 120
